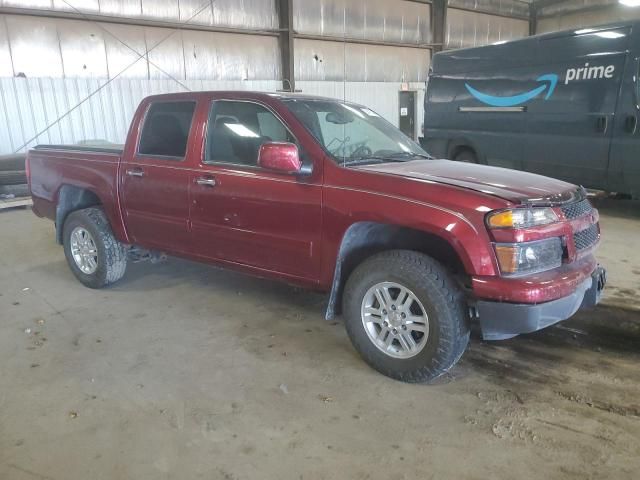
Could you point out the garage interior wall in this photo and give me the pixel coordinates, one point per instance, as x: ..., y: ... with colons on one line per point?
x: 472, y: 23
x: 361, y: 50
x: 583, y: 13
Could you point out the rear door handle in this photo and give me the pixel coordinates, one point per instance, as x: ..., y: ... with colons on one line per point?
x: 206, y: 181
x: 136, y: 172
x: 601, y: 124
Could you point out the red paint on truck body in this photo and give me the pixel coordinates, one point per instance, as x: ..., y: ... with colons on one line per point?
x: 290, y: 227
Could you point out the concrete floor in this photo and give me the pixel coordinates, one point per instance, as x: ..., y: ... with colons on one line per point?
x: 185, y: 371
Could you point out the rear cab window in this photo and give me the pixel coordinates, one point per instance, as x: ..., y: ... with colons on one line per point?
x: 165, y: 132
x: 237, y: 129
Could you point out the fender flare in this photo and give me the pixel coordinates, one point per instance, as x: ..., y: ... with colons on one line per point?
x: 376, y: 236
x: 69, y: 199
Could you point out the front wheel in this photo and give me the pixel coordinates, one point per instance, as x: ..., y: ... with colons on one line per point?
x: 406, y: 316
x: 93, y: 253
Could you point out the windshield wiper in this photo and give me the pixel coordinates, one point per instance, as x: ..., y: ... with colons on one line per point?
x: 410, y: 154
x: 369, y: 159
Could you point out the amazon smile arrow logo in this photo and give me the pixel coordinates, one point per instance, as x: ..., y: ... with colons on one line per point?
x: 549, y: 81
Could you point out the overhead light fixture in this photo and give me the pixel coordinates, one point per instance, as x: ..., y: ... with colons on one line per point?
x: 241, y: 130
x: 630, y: 3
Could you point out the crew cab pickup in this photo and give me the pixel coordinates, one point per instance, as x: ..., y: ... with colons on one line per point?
x: 327, y: 195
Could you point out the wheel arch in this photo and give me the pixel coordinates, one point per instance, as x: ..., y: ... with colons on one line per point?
x: 458, y: 145
x: 366, y: 238
x: 69, y: 199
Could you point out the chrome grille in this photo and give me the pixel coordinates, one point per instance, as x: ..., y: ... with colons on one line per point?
x: 586, y: 238
x: 577, y: 209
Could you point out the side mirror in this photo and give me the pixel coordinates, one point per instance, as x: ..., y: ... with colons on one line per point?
x: 280, y: 156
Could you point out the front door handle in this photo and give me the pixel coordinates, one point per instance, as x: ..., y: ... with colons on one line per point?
x: 601, y: 124
x: 135, y: 173
x: 631, y: 123
x: 206, y: 181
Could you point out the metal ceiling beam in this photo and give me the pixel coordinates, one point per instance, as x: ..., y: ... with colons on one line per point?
x: 362, y: 41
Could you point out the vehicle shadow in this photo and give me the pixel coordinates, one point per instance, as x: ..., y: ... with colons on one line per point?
x: 174, y: 272
x: 594, y: 340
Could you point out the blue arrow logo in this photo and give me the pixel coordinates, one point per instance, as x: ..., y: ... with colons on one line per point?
x: 550, y: 81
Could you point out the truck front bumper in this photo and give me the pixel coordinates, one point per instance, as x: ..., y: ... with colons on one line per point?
x: 499, y: 320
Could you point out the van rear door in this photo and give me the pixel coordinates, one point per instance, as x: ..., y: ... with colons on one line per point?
x: 569, y: 134
x: 624, y: 169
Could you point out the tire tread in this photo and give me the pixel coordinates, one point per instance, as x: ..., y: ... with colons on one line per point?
x: 448, y: 301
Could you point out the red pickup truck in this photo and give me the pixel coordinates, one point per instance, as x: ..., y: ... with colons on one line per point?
x: 327, y: 195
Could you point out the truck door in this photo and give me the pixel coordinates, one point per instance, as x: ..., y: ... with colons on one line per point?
x: 569, y: 131
x: 625, y: 149
x: 247, y: 215
x: 155, y: 181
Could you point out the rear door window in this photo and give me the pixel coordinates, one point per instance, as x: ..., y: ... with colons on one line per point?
x: 166, y: 129
x: 236, y: 130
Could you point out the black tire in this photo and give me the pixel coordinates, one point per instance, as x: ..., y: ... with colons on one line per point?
x: 13, y: 177
x: 12, y: 162
x: 442, y: 299
x: 112, y: 255
x: 466, y: 155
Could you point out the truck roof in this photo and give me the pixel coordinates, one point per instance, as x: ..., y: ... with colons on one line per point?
x: 239, y: 94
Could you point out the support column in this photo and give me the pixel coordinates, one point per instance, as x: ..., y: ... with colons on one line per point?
x: 533, y: 19
x: 438, y: 23
x: 285, y: 16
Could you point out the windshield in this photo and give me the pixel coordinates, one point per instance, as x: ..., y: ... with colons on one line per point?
x: 352, y: 134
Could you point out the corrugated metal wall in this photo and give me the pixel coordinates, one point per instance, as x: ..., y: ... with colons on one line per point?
x: 80, y: 48
x: 563, y: 19
x: 29, y: 105
x: 383, y: 20
x: 472, y: 29
x: 65, y: 60
x: 322, y: 60
x: 252, y: 14
x: 510, y: 8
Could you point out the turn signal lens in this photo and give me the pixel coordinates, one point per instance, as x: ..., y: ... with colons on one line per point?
x: 501, y: 219
x: 521, y: 218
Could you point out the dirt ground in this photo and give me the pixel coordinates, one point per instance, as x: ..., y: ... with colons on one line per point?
x: 184, y: 371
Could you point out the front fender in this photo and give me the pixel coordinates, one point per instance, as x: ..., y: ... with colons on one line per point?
x: 376, y: 232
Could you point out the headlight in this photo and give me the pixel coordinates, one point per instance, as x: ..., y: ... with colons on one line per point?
x: 521, y: 218
x: 529, y: 257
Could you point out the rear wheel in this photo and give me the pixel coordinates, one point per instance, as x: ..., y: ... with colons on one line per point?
x: 94, y: 255
x: 406, y: 316
x: 466, y: 155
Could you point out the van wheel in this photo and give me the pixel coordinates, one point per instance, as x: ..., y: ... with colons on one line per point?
x: 466, y: 155
x: 406, y: 316
x: 94, y: 255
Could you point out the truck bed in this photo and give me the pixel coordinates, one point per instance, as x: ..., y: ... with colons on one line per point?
x: 92, y: 168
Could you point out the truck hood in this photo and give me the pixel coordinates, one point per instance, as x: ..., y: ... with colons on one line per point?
x: 512, y: 185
